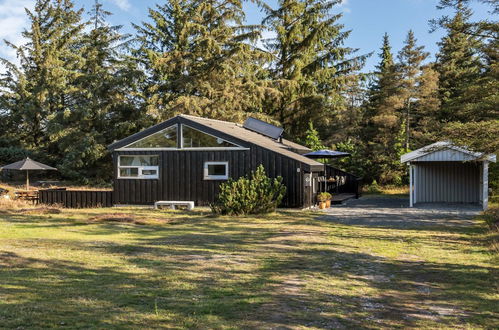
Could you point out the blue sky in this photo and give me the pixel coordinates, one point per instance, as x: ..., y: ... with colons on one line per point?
x: 368, y: 20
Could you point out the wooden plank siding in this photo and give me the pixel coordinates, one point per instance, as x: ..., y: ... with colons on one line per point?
x: 181, y: 175
x: 76, y: 198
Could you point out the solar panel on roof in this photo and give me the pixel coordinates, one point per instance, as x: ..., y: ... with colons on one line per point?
x: 263, y: 128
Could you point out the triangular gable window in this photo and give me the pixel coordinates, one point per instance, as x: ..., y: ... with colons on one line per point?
x: 192, y: 138
x: 166, y: 138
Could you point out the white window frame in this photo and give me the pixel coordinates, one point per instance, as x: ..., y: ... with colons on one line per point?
x: 206, y: 176
x: 237, y: 147
x: 141, y: 169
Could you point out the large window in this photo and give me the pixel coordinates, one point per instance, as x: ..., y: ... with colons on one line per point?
x: 216, y: 170
x: 166, y: 138
x: 138, y: 167
x: 192, y: 138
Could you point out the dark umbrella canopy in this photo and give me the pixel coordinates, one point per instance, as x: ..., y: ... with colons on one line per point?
x: 27, y: 164
x: 327, y: 154
x: 324, y: 154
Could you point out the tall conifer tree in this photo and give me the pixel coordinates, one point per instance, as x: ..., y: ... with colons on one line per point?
x: 459, y: 67
x: 43, y: 85
x: 311, y: 68
x: 425, y: 123
x: 383, y: 128
x: 410, y: 63
x: 102, y: 110
x: 199, y: 60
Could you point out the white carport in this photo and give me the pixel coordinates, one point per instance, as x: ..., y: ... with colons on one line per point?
x: 445, y: 173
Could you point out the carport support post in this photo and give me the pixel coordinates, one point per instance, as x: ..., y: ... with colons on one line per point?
x: 410, y: 186
x: 485, y: 185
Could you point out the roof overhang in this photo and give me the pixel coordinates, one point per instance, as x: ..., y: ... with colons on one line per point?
x: 469, y: 155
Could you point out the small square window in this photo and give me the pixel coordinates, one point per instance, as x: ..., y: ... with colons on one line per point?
x: 129, y: 172
x: 149, y: 172
x: 216, y: 170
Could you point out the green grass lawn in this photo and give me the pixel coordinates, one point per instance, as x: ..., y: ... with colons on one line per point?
x: 191, y: 270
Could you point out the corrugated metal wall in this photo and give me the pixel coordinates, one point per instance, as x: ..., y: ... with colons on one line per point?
x: 449, y: 182
x: 445, y: 155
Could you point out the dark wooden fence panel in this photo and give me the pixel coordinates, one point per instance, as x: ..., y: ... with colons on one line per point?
x: 77, y: 198
x: 347, y: 183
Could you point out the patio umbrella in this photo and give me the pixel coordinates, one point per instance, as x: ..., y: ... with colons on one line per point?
x: 326, y: 154
x: 27, y: 165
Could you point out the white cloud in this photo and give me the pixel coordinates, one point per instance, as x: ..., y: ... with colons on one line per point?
x: 344, y: 4
x: 122, y: 4
x: 13, y: 20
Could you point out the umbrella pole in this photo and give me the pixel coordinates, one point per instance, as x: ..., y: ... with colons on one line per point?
x: 325, y: 176
x: 27, y: 179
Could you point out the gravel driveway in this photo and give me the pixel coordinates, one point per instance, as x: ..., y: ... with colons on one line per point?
x: 394, y: 212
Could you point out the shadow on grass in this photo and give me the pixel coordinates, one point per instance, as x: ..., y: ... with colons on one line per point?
x: 237, y: 273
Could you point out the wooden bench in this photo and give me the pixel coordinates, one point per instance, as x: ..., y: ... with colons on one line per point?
x: 173, y: 204
x: 27, y: 195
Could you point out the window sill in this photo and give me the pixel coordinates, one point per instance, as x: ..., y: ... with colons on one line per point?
x: 135, y: 178
x: 221, y: 178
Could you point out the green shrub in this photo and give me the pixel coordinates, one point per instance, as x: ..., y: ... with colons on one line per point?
x: 373, y: 188
x: 252, y: 194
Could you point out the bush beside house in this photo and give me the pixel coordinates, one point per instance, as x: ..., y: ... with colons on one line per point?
x: 252, y: 194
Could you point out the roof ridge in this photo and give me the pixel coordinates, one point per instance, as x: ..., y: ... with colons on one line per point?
x: 209, y: 119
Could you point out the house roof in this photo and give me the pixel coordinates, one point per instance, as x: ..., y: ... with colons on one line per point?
x: 445, y: 151
x: 286, y: 148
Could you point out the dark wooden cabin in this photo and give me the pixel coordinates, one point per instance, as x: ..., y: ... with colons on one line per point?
x: 186, y: 158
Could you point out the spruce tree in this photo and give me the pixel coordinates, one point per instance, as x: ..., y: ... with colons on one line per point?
x: 72, y: 94
x: 102, y: 110
x: 410, y: 62
x: 43, y: 87
x: 312, y: 139
x: 310, y: 68
x: 384, y: 130
x: 198, y: 59
x: 459, y: 67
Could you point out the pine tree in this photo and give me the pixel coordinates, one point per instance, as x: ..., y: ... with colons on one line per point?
x: 310, y: 67
x: 384, y: 130
x: 199, y: 60
x: 410, y: 62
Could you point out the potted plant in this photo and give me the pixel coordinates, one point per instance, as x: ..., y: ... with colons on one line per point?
x: 328, y: 200
x: 324, y: 199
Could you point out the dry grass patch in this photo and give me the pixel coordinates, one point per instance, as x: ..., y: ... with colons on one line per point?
x: 128, y: 218
x: 39, y: 210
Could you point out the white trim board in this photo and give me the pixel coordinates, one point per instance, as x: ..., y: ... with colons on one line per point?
x: 445, y: 145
